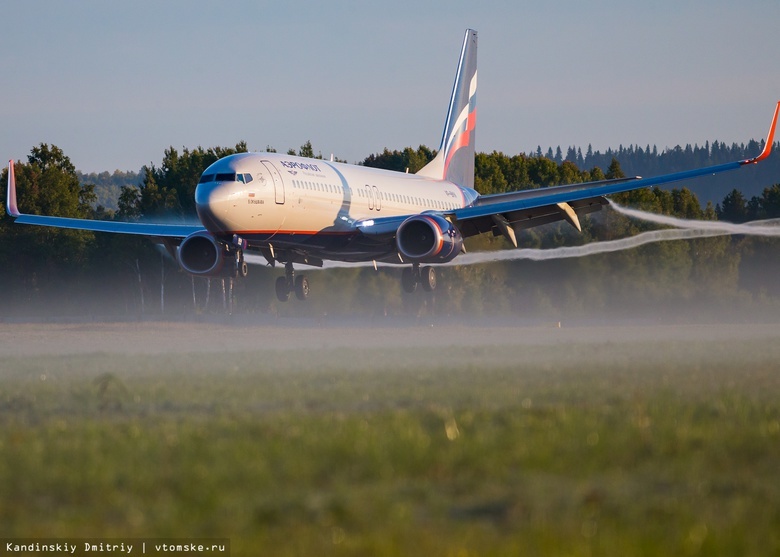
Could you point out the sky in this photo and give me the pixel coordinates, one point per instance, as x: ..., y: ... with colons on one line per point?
x: 116, y: 83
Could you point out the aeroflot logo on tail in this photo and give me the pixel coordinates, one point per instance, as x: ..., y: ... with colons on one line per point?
x: 301, y: 166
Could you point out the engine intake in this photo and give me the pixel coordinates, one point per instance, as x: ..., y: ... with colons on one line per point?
x: 428, y: 239
x: 203, y: 255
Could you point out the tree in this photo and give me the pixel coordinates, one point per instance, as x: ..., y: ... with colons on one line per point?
x: 400, y: 161
x: 170, y: 189
x: 46, y: 185
x: 569, y: 173
x: 770, y: 202
x: 596, y: 174
x: 488, y: 177
x: 614, y: 170
x: 307, y: 151
x: 733, y: 208
x: 543, y: 172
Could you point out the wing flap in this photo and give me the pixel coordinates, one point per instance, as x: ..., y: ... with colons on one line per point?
x: 523, y: 219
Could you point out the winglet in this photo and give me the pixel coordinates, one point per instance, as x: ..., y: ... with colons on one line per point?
x: 770, y: 139
x: 11, y: 206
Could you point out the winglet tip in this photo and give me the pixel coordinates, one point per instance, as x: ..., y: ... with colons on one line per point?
x: 770, y: 139
x: 11, y: 205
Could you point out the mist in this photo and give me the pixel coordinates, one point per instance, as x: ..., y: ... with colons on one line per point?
x: 713, y: 280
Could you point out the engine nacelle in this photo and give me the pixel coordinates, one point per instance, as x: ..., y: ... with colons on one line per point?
x: 428, y: 239
x: 203, y: 255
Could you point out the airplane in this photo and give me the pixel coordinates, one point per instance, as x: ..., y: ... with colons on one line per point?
x: 296, y: 210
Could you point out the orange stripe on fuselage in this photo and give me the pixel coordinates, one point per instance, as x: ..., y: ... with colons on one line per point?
x: 292, y: 232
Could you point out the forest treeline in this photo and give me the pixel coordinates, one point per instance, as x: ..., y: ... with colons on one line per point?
x: 51, y: 271
x: 650, y: 161
x: 537, y: 169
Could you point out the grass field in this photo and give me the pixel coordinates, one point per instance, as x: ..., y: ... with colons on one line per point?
x: 378, y: 441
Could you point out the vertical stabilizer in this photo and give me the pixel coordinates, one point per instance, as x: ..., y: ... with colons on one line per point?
x: 455, y: 159
x: 10, y: 200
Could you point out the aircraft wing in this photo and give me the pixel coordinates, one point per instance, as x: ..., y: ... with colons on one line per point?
x: 172, y: 231
x: 140, y: 228
x: 525, y: 209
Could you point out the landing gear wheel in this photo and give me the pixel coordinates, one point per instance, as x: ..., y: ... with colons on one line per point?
x: 428, y: 278
x: 282, y: 289
x: 240, y: 268
x: 408, y: 280
x: 302, y: 287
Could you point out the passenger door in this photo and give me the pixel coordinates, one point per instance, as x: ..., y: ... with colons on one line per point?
x: 278, y: 184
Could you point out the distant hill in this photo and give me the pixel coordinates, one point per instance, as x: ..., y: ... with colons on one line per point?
x: 108, y: 185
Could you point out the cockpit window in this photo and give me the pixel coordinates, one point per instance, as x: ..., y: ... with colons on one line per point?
x: 225, y: 177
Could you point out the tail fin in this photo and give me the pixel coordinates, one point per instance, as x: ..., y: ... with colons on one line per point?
x: 10, y: 200
x: 455, y: 159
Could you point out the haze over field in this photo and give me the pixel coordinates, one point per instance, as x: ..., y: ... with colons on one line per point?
x: 414, y: 440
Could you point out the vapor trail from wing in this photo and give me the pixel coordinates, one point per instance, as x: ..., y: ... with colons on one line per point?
x: 754, y: 228
x: 685, y: 229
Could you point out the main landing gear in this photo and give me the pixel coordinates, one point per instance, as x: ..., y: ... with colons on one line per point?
x: 289, y: 282
x: 411, y: 277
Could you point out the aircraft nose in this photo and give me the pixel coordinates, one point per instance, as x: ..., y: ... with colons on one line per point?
x: 211, y: 203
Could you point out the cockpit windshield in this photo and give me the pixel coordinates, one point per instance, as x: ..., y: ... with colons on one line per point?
x: 244, y: 178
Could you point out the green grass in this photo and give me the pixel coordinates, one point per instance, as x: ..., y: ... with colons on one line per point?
x: 647, y: 448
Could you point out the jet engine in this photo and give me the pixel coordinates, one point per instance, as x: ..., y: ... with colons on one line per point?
x: 203, y: 255
x: 428, y: 239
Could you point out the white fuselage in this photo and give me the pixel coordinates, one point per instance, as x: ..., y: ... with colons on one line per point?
x: 283, y: 200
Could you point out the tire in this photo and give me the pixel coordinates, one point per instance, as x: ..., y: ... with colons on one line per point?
x: 408, y: 280
x: 428, y: 278
x: 282, y: 289
x: 243, y: 269
x: 302, y: 287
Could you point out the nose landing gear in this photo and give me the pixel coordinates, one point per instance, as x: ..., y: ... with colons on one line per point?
x: 241, y: 268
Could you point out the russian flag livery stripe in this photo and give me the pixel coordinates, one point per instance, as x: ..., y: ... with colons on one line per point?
x: 455, y: 160
x: 463, y: 129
